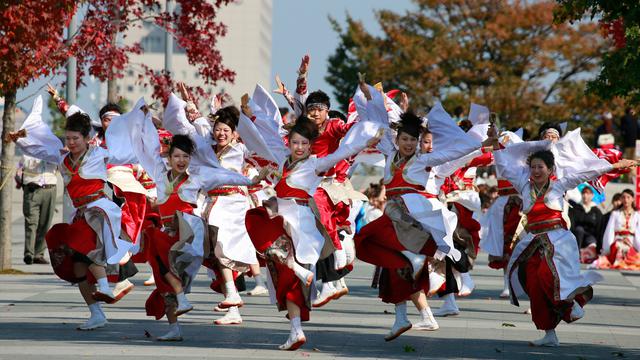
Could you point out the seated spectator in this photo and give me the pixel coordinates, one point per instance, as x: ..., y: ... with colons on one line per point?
x: 586, y: 218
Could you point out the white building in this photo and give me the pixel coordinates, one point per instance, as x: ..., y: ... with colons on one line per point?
x: 245, y: 49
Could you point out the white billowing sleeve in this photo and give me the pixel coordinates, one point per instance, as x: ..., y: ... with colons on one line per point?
x: 262, y: 134
x: 175, y: 121
x: 118, y: 135
x: 211, y: 178
x: 511, y: 162
x: 146, y: 146
x: 448, y: 168
x: 449, y: 141
x: 479, y: 117
x: 40, y: 141
x: 376, y: 112
x: 575, y: 162
x: 268, y: 105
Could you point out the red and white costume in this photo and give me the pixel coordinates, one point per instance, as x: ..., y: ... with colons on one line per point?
x: 179, y: 249
x: 413, y: 215
x: 545, y: 263
x: 621, y: 241
x: 94, y: 228
x: 294, y: 217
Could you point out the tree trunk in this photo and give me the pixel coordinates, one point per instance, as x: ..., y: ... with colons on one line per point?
x: 6, y: 184
x: 112, y: 93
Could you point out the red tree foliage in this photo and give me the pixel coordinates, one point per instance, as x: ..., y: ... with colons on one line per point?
x: 31, y: 40
x: 193, y: 26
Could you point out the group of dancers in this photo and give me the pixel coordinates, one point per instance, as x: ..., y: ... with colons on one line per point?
x: 245, y: 192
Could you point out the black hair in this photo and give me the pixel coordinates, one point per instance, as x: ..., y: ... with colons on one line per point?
x: 318, y: 96
x: 465, y: 125
x: 586, y: 188
x: 546, y: 126
x: 283, y: 110
x: 79, y: 122
x: 229, y: 116
x: 110, y: 107
x: 458, y: 111
x: 305, y: 128
x: 545, y: 155
x: 335, y: 114
x: 182, y: 142
x: 374, y: 190
x: 630, y: 193
x: 425, y: 131
x: 410, y: 124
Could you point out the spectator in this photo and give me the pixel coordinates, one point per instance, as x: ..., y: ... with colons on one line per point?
x: 586, y: 218
x: 458, y: 114
x: 607, y: 127
x: 38, y: 181
x: 616, y: 203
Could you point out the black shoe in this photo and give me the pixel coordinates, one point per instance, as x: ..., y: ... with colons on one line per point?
x: 28, y: 259
x: 40, y: 260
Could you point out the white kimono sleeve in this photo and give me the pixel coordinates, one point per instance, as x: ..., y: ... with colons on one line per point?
x: 449, y: 141
x: 175, y: 121
x: 40, y: 141
x: 118, y: 135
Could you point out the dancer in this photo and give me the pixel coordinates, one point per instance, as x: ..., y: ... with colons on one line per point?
x: 545, y: 263
x: 226, y: 206
x: 286, y: 231
x: 177, y: 248
x: 90, y: 245
x: 406, y: 234
x: 332, y: 196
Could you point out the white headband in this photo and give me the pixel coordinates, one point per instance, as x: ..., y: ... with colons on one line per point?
x: 109, y: 113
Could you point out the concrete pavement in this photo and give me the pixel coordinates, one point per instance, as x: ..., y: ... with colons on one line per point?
x: 39, y: 314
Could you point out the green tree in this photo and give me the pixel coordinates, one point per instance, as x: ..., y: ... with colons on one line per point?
x: 508, y: 55
x: 620, y: 23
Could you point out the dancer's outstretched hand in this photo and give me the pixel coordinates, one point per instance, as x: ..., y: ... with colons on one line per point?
x: 304, y: 65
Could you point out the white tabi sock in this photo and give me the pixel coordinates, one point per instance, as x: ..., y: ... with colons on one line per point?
x: 181, y: 297
x: 401, y: 313
x: 174, y: 327
x: 296, y: 327
x: 103, y: 285
x: 260, y: 279
x: 426, y: 314
x: 230, y: 286
x: 234, y: 311
x: 450, y: 301
x: 96, y: 310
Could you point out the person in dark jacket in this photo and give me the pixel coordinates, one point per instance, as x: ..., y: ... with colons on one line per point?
x: 586, y: 219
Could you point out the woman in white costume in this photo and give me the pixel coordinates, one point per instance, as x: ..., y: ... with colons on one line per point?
x: 287, y: 231
x: 413, y: 226
x: 621, y: 240
x: 89, y: 247
x: 178, y: 247
x: 226, y: 206
x: 545, y: 263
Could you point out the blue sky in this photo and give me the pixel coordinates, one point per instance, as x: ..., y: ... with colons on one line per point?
x: 303, y: 26
x: 299, y: 27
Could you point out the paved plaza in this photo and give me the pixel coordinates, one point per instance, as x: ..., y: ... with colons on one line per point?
x: 39, y: 314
